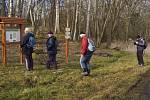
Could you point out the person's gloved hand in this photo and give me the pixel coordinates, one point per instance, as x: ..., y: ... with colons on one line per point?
x: 135, y: 43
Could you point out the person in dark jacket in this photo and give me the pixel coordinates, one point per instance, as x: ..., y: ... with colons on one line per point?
x: 140, y: 43
x: 85, y: 54
x: 51, y: 50
x: 27, y: 44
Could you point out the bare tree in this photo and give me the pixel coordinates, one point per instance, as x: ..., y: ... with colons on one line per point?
x: 67, y: 13
x: 76, y: 20
x: 57, y: 28
x: 11, y: 5
x: 2, y: 8
x: 107, y: 20
x: 88, y: 17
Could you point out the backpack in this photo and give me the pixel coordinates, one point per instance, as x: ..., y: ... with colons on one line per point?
x: 91, y: 45
x: 31, y: 43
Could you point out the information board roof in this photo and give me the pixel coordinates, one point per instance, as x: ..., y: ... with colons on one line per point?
x: 12, y: 20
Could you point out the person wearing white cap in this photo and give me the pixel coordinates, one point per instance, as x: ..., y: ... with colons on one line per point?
x: 141, y: 45
x: 27, y: 44
x: 85, y: 54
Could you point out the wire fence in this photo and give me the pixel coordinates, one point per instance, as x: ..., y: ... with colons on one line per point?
x: 40, y: 55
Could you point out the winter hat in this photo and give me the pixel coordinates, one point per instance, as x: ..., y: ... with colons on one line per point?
x: 50, y: 32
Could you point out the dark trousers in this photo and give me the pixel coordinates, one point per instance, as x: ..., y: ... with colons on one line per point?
x: 140, y: 57
x: 29, y: 61
x: 51, y: 63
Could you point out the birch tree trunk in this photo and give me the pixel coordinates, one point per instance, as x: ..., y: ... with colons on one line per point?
x: 57, y: 28
x: 105, y: 24
x: 76, y: 21
x: 67, y: 13
x: 95, y: 20
x: 26, y: 10
x: 10, y: 13
x: 88, y: 17
x: 17, y: 7
x: 32, y: 18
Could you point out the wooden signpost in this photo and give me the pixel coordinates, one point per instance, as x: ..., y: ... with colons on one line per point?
x: 4, y: 21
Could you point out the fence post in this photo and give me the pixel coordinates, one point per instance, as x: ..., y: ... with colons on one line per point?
x: 4, y: 55
x: 21, y: 35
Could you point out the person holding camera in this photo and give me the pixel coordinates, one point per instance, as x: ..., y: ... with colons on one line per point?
x: 141, y: 45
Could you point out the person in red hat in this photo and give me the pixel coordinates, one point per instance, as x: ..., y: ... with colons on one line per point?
x: 51, y: 50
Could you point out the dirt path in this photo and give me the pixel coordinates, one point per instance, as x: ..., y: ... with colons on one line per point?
x: 146, y: 93
x: 142, y: 88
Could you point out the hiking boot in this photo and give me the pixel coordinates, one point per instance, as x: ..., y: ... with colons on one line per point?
x: 89, y: 71
x: 31, y: 68
x: 141, y: 65
x: 85, y: 74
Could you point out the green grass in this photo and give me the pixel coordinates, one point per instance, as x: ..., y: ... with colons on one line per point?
x: 112, y: 78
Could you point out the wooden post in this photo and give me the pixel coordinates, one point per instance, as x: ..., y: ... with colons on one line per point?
x: 1, y: 39
x: 4, y: 55
x: 72, y: 53
x: 21, y: 35
x: 67, y: 50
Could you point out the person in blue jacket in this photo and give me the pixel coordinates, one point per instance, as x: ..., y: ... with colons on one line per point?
x: 27, y: 44
x: 51, y: 50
